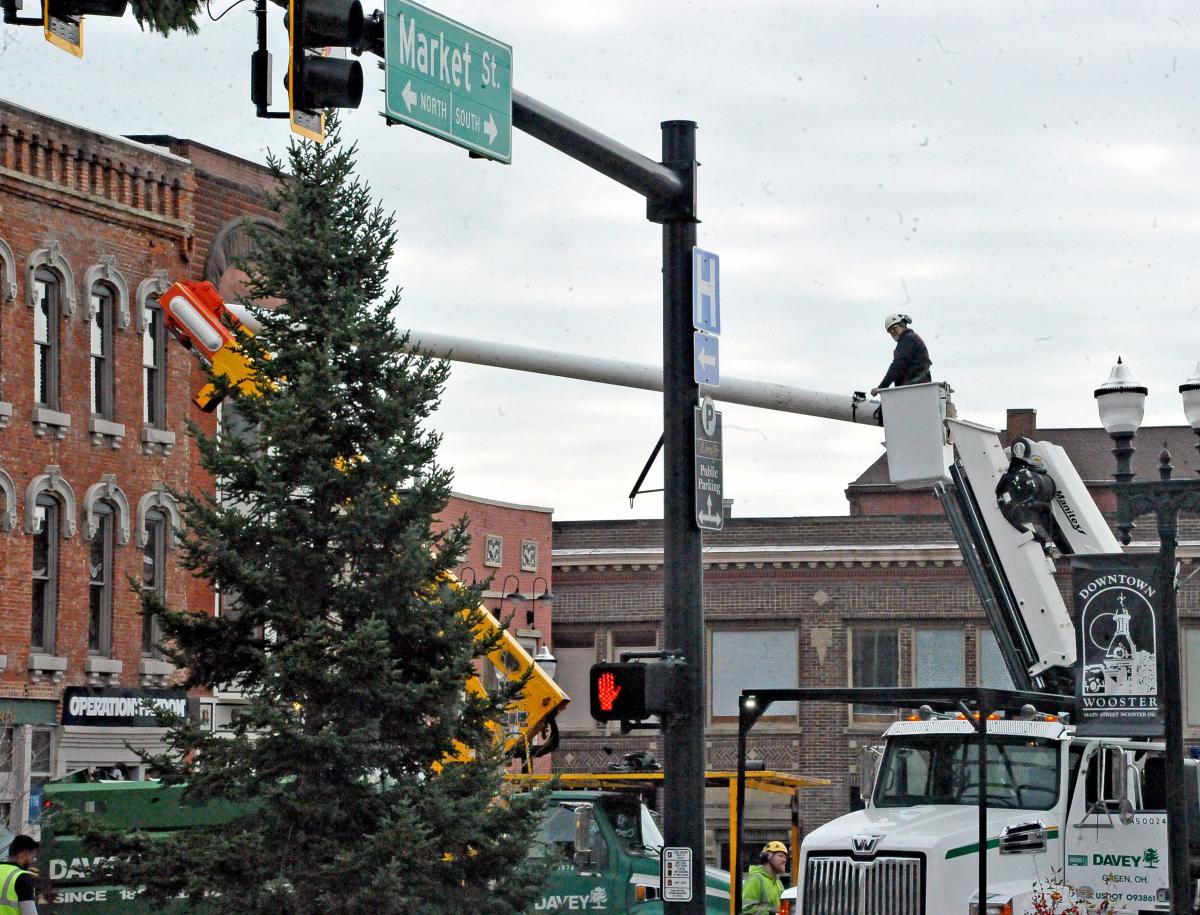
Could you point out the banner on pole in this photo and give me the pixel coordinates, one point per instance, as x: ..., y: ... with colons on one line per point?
x: 1117, y: 608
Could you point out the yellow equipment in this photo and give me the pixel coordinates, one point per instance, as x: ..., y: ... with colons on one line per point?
x: 205, y: 323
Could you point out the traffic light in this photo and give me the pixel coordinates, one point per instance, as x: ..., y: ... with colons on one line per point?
x: 315, y: 80
x: 62, y: 20
x: 618, y: 692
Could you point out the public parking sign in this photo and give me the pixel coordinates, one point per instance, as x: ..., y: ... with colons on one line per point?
x: 448, y: 80
x: 710, y: 458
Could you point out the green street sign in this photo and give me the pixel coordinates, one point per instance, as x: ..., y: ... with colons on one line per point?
x: 448, y: 80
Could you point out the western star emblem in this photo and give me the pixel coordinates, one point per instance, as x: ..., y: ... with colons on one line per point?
x: 864, y: 844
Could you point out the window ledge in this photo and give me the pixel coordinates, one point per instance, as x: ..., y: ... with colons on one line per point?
x: 46, y: 667
x: 102, y: 670
x: 5, y: 413
x: 44, y: 420
x: 157, y: 440
x: 102, y: 429
x: 154, y: 672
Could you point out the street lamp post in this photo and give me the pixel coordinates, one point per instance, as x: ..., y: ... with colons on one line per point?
x: 1121, y: 402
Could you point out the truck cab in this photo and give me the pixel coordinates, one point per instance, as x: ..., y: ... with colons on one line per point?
x: 605, y: 848
x: 1083, y: 818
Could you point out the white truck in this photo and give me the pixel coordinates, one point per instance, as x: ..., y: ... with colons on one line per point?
x: 1070, y: 820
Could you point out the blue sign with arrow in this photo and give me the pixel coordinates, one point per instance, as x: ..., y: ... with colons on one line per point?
x: 706, y: 364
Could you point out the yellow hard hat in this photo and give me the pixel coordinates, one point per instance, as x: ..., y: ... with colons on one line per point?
x: 771, y: 847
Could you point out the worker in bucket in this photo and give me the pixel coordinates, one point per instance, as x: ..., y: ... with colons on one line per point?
x: 762, y: 888
x: 910, y: 359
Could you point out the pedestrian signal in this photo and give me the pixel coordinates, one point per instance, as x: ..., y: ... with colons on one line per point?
x: 618, y: 692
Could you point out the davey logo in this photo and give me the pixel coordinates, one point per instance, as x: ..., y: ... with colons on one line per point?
x: 864, y: 844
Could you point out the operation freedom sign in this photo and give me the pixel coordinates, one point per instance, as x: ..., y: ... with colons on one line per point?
x: 100, y: 706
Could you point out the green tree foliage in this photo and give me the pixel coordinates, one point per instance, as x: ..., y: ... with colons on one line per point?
x: 351, y: 649
x: 167, y: 16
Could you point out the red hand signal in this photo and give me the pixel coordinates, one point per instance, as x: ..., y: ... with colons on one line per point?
x: 607, y: 691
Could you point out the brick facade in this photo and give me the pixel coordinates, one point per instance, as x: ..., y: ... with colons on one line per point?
x: 811, y: 583
x: 521, y: 567
x: 93, y: 211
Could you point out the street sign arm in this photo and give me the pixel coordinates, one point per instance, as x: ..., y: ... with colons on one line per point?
x: 589, y: 146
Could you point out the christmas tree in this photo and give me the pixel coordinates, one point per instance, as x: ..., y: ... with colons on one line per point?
x: 345, y: 635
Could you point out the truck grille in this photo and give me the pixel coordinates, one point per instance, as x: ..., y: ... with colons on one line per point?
x: 882, y: 886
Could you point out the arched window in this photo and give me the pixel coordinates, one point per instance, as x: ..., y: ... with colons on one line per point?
x: 100, y: 579
x: 8, y: 273
x: 47, y: 317
x: 47, y: 516
x: 8, y: 517
x: 154, y: 367
x: 154, y: 572
x: 103, y: 307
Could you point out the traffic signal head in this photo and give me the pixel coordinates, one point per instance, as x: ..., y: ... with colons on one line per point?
x: 617, y: 692
x: 62, y: 20
x: 314, y: 80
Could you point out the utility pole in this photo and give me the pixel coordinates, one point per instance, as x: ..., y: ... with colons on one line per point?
x: 683, y: 575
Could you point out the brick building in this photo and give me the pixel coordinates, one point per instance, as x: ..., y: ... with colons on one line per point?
x: 94, y: 401
x: 510, y: 544
x: 876, y: 598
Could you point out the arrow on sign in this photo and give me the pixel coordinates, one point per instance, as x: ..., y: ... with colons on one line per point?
x: 410, y: 97
x: 706, y: 359
x: 490, y: 129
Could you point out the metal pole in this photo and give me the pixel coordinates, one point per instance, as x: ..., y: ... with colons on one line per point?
x: 683, y: 578
x: 735, y: 852
x: 983, y: 806
x: 594, y: 149
x: 1166, y: 498
x: 764, y: 394
x: 1177, y: 826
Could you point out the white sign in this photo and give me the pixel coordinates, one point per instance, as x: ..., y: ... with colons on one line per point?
x: 677, y: 874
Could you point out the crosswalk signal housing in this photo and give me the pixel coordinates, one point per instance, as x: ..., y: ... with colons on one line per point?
x: 617, y: 692
x: 316, y: 81
x: 62, y: 20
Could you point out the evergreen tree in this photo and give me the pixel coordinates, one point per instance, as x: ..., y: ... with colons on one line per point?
x: 351, y: 648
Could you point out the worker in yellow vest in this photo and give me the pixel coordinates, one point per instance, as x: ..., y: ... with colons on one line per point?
x: 762, y: 888
x: 18, y: 892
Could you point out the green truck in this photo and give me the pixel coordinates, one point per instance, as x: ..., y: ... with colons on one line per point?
x: 604, y: 848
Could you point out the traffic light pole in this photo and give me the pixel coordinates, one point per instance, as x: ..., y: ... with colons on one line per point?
x: 670, y: 191
x: 683, y: 575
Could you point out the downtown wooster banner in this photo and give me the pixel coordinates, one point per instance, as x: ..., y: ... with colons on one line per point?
x: 1118, y: 603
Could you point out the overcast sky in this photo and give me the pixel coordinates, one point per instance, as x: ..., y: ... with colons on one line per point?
x: 1021, y: 178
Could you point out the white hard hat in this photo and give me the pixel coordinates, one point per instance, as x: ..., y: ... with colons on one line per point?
x: 895, y: 319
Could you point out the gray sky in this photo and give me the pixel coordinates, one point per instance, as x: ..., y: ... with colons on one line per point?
x: 1022, y: 178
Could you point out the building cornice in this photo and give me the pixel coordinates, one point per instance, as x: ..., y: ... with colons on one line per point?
x: 921, y: 555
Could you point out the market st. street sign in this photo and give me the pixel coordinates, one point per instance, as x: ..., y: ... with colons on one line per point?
x: 448, y: 80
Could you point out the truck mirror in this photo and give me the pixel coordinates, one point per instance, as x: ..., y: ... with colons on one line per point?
x: 1121, y: 767
x: 868, y: 766
x: 583, y: 835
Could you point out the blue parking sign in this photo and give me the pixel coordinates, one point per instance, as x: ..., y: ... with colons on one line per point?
x: 706, y: 291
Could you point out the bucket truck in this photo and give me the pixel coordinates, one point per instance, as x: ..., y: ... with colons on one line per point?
x: 1080, y: 816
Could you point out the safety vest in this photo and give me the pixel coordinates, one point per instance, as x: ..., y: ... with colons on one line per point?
x: 8, y: 888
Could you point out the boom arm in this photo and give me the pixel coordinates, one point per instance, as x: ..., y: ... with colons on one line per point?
x: 1006, y: 508
x: 205, y: 323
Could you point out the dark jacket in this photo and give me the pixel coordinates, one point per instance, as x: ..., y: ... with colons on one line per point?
x: 910, y: 361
